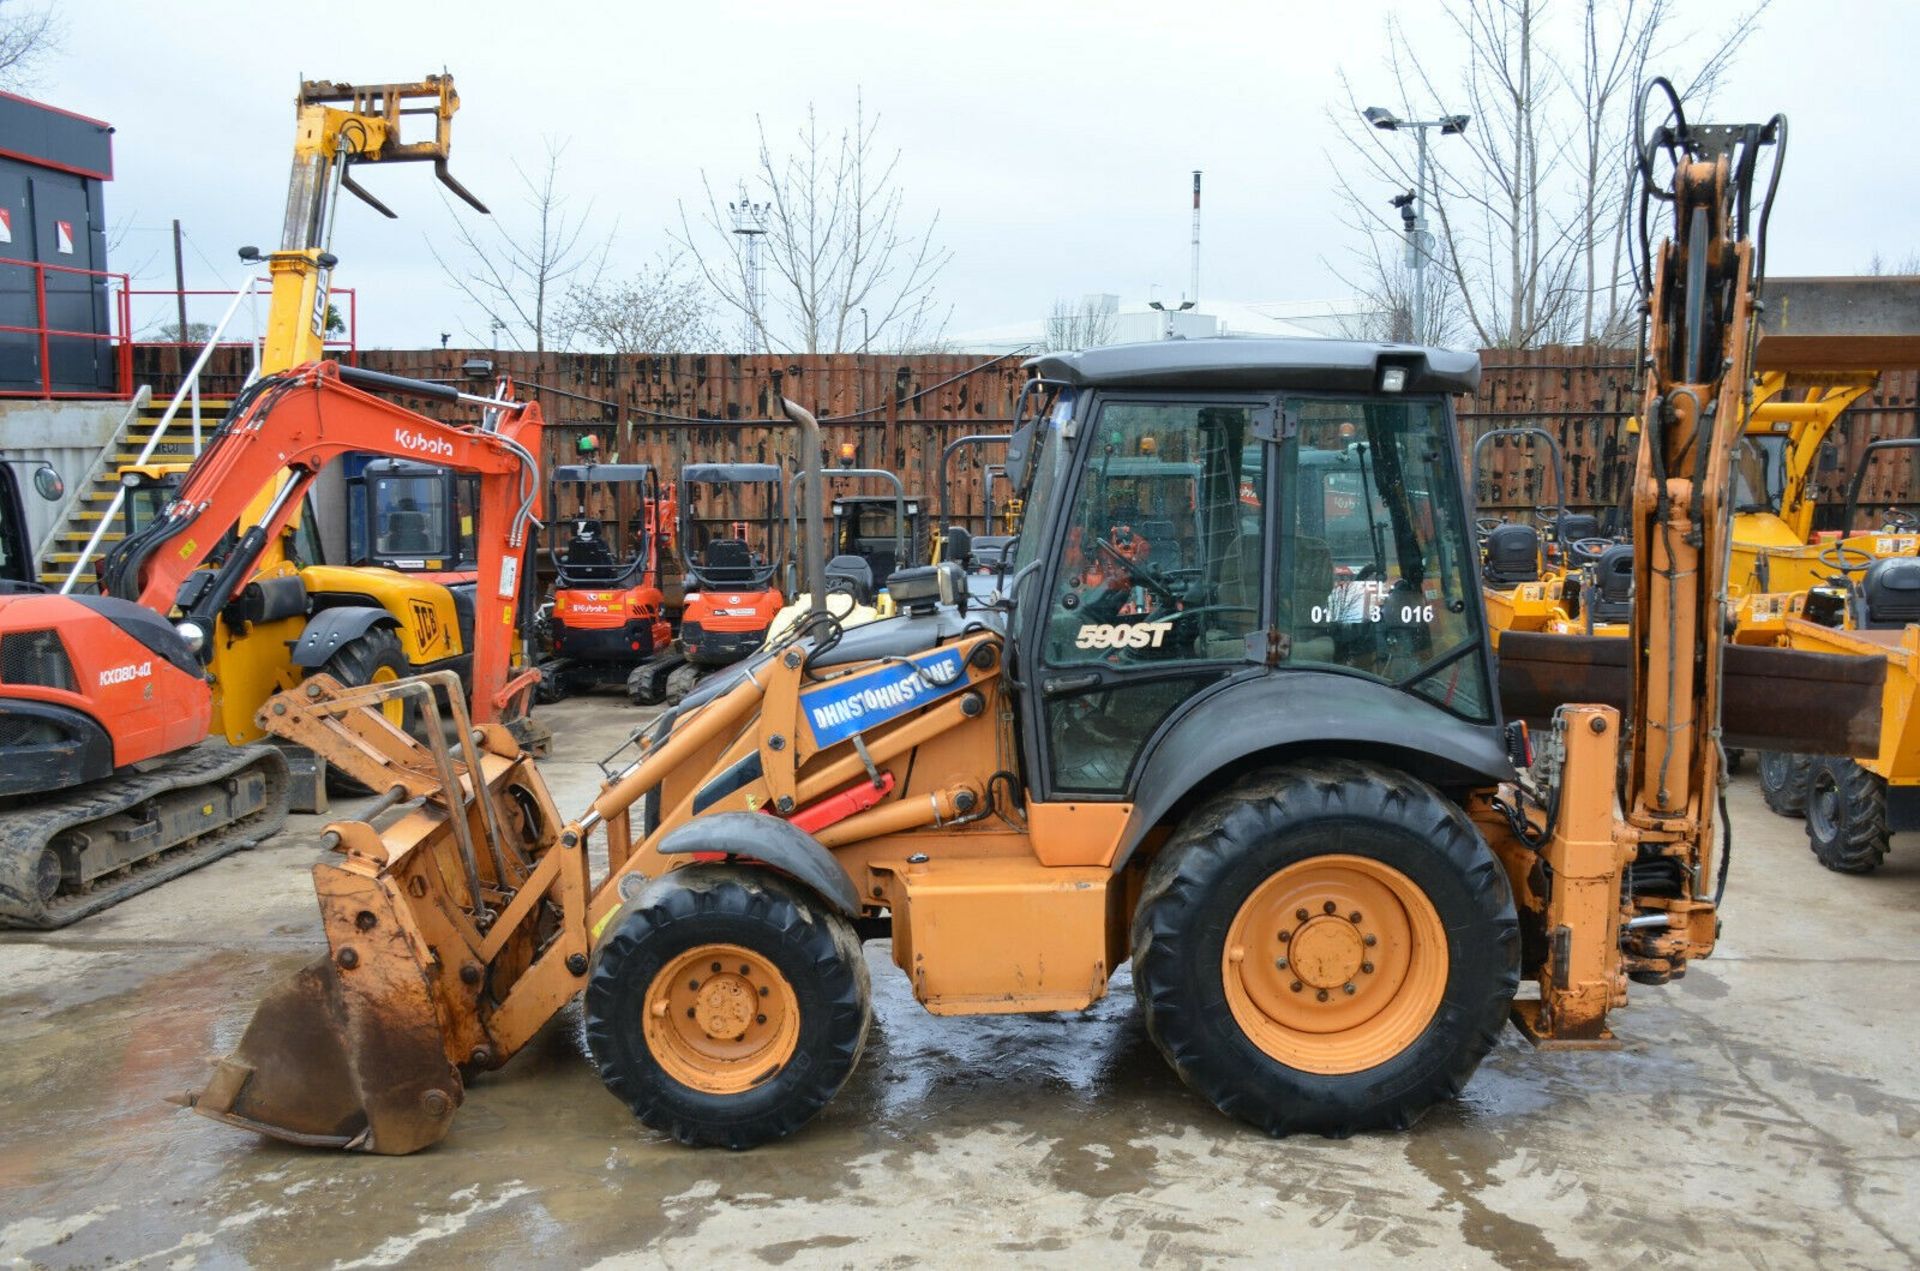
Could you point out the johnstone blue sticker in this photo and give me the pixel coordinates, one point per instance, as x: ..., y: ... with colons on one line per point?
x: 838, y: 710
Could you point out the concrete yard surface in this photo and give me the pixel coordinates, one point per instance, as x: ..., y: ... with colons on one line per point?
x: 1763, y: 1111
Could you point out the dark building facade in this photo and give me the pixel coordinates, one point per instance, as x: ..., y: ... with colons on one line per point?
x: 53, y: 166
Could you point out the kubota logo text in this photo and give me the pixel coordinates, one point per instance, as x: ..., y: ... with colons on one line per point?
x: 420, y: 443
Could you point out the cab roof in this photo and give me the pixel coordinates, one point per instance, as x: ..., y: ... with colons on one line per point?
x: 731, y: 473
x: 610, y: 473
x: 1324, y: 365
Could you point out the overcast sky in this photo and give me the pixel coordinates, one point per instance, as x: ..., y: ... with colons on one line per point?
x: 1054, y: 139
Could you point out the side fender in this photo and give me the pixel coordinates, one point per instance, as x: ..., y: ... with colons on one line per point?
x: 770, y: 841
x: 1297, y: 714
x: 331, y: 630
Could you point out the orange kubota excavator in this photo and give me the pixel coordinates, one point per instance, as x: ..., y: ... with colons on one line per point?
x: 105, y: 701
x: 1300, y: 820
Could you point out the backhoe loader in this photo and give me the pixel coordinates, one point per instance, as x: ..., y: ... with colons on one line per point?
x: 1301, y: 822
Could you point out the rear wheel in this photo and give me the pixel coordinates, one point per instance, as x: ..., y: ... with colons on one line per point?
x: 1327, y: 948
x: 726, y: 1006
x: 374, y: 658
x: 1783, y: 781
x: 1847, y: 816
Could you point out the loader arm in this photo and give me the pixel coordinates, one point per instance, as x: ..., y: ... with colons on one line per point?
x: 279, y: 436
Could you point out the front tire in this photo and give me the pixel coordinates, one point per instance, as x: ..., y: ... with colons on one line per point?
x: 1330, y: 947
x: 1783, y: 781
x: 1847, y: 816
x: 374, y: 658
x: 726, y: 1005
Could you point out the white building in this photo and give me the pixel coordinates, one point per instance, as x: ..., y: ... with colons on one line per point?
x: 1134, y: 321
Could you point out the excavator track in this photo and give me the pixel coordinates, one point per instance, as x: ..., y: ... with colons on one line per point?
x: 74, y: 854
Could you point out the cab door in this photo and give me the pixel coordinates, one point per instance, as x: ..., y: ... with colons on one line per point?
x: 1154, y: 582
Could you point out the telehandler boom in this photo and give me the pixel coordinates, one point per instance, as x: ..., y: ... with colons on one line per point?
x: 1293, y: 808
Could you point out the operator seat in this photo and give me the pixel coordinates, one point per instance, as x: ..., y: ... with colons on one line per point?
x: 1575, y: 526
x: 407, y: 529
x: 851, y: 576
x: 1513, y: 555
x: 586, y: 557
x: 1613, y: 587
x: 1312, y: 589
x: 1891, y: 590
x: 727, y: 561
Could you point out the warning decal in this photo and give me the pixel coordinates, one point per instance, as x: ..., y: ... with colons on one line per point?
x: 63, y: 237
x: 6, y: 225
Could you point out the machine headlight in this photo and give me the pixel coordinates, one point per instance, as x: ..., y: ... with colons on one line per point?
x: 193, y: 633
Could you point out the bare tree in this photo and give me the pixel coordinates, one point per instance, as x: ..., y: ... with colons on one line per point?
x: 27, y: 38
x: 514, y: 275
x: 660, y: 308
x: 842, y: 268
x: 1078, y: 326
x: 1907, y: 266
x: 1529, y: 202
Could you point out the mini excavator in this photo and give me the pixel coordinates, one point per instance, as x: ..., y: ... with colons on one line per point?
x: 1309, y: 824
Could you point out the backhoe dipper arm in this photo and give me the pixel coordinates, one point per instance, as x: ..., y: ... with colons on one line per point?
x: 290, y: 426
x: 1702, y: 286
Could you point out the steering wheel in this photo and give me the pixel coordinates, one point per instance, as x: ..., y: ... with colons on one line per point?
x: 1837, y: 555
x: 1899, y: 521
x: 1137, y: 572
x: 1485, y: 525
x: 1589, y: 549
x: 1547, y: 515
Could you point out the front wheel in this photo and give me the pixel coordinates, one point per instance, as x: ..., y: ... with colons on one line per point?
x: 1328, y: 948
x: 1847, y: 816
x: 1783, y: 781
x: 726, y: 1005
x: 374, y: 658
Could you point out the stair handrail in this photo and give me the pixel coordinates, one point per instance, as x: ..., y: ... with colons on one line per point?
x: 141, y: 399
x: 188, y: 385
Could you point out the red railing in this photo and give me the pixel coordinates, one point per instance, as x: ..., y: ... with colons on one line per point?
x: 116, y: 337
x: 348, y: 345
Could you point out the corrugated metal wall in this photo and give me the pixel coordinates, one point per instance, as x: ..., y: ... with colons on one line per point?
x: 900, y: 412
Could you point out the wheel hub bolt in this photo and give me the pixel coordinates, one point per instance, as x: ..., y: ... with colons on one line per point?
x: 1354, y: 917
x: 1280, y: 963
x: 1295, y: 986
x: 1328, y: 907
x: 1367, y: 940
x: 759, y: 1019
x: 1300, y: 915
x: 1366, y: 968
x: 1348, y: 987
x: 763, y: 990
x: 1285, y: 936
x: 693, y: 984
x: 1321, y: 995
x: 716, y: 968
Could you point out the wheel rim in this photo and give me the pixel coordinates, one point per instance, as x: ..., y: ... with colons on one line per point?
x: 721, y: 1019
x: 1335, y: 964
x: 394, y: 709
x: 1823, y: 804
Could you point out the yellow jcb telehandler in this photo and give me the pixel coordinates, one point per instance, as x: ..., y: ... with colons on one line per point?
x: 1296, y: 813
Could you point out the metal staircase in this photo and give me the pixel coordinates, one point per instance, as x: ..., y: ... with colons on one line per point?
x: 148, y: 436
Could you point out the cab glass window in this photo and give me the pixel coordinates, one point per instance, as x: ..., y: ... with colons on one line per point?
x: 410, y: 516
x: 1376, y: 559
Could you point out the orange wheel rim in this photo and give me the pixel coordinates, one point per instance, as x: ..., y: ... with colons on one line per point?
x: 720, y: 1019
x: 1335, y: 964
x: 394, y: 709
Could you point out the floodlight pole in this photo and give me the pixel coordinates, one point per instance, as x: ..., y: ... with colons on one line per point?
x: 1417, y: 232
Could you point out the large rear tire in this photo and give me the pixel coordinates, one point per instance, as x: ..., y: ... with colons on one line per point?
x: 374, y: 658
x: 1847, y: 816
x: 726, y: 1005
x: 1783, y: 781
x: 1330, y: 947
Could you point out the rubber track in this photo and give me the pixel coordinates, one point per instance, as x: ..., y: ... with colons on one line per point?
x: 26, y: 832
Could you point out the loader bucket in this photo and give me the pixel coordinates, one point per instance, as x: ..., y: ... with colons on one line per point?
x: 349, y: 1052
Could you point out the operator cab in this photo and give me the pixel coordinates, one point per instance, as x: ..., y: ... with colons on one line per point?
x: 731, y: 545
x: 1285, y: 516
x: 873, y: 528
x: 606, y: 536
x: 412, y: 516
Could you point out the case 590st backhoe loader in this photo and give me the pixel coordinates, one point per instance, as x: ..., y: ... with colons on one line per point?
x: 1300, y: 821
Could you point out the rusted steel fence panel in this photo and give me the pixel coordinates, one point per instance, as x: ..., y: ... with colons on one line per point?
x: 899, y: 412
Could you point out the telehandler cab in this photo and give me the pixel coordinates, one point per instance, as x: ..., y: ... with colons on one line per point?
x: 1299, y: 820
